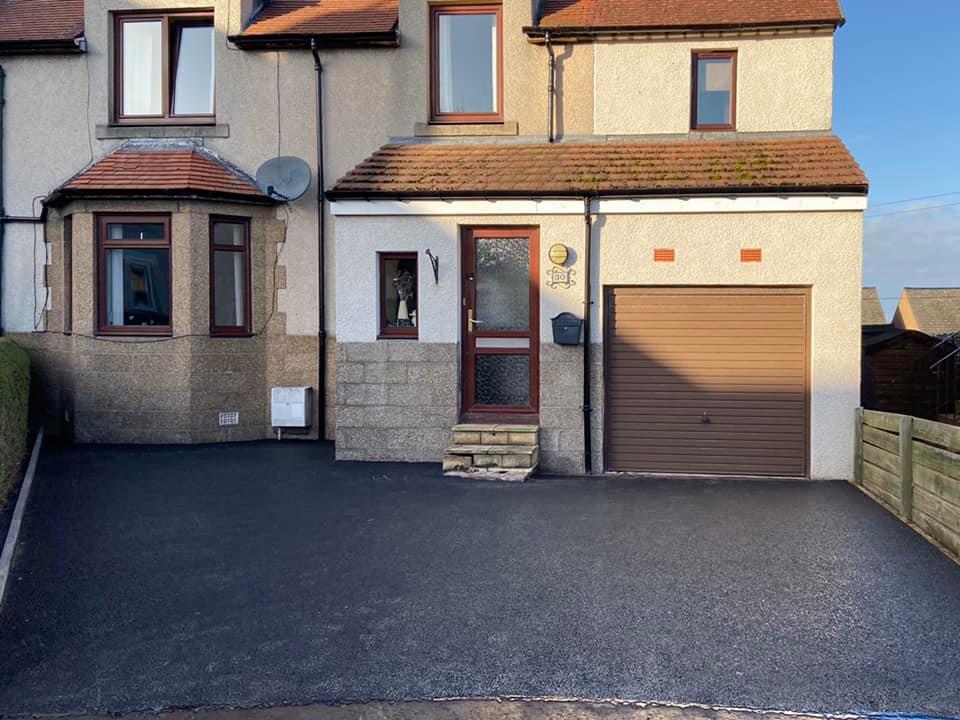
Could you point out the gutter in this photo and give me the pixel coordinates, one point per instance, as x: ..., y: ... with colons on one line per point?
x: 68, y: 46
x: 587, y: 33
x: 321, y: 253
x: 290, y: 41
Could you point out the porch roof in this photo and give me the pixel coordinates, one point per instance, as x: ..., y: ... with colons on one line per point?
x: 161, y: 170
x: 610, y: 168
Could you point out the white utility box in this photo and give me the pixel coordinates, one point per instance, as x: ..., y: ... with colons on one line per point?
x: 290, y: 407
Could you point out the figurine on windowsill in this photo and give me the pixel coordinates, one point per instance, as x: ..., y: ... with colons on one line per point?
x: 403, y: 282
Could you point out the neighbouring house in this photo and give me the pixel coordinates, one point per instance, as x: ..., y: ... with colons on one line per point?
x: 871, y: 310
x: 934, y: 311
x: 590, y: 236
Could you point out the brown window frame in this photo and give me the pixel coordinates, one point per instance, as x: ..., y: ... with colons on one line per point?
x: 714, y: 55
x: 437, y: 117
x: 67, y: 291
x: 104, y: 244
x: 169, y: 20
x: 246, y: 329
x: 386, y: 333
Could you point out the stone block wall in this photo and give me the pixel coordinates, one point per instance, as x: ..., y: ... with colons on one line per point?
x: 396, y: 400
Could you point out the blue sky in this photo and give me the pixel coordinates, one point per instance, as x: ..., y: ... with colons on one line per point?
x: 897, y: 106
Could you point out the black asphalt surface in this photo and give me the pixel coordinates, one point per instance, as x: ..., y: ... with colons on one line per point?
x: 264, y: 573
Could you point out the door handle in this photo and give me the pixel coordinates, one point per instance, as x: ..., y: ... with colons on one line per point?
x: 471, y: 322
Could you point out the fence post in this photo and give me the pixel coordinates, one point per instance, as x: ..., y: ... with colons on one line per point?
x: 906, y: 466
x: 858, y: 449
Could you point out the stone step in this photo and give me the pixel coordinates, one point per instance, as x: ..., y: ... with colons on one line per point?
x: 499, y: 475
x: 498, y: 434
x: 465, y: 458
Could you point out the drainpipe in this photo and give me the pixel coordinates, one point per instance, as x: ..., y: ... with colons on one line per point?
x: 321, y: 247
x: 587, y: 308
x: 551, y: 86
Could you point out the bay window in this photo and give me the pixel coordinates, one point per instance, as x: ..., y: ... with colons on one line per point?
x: 133, y: 275
x: 229, y: 276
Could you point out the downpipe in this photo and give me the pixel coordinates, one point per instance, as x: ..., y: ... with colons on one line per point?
x: 587, y: 312
x: 321, y: 250
x: 551, y: 86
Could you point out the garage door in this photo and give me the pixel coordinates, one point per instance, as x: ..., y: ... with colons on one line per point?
x: 706, y: 380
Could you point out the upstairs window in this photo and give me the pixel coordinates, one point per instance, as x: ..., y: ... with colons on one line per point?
x: 714, y: 90
x: 466, y: 64
x: 164, y: 71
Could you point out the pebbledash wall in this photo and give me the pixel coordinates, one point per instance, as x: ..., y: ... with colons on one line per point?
x: 399, y: 399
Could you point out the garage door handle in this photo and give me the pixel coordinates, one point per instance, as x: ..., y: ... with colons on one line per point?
x: 706, y: 418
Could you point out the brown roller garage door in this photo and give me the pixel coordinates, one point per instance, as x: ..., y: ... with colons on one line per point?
x: 707, y: 380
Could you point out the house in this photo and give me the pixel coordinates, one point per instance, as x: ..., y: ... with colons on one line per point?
x: 660, y: 181
x: 871, y: 311
x: 934, y: 311
x: 689, y: 194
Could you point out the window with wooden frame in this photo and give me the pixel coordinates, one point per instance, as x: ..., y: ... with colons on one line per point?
x: 399, y: 291
x: 466, y: 64
x: 714, y: 90
x: 230, y: 314
x: 164, y: 68
x: 133, y: 275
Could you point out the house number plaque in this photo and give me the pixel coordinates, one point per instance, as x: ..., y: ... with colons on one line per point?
x: 558, y: 277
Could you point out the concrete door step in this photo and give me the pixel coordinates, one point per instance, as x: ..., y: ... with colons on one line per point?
x: 497, y: 474
x: 478, y: 434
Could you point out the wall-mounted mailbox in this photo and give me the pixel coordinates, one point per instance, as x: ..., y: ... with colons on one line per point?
x: 567, y: 328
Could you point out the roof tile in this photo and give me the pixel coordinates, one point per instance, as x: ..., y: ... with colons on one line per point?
x: 664, y: 14
x: 635, y: 167
x: 164, y: 171
x: 325, y: 17
x: 24, y: 21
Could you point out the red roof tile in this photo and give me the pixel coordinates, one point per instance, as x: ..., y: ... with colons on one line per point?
x: 324, y: 17
x: 664, y: 14
x: 635, y: 168
x: 38, y: 21
x: 141, y: 171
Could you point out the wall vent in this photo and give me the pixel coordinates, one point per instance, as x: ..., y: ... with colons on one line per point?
x: 751, y: 255
x: 664, y: 255
x: 229, y: 418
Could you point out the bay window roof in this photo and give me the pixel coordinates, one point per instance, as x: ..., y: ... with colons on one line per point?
x: 162, y: 170
x: 40, y: 25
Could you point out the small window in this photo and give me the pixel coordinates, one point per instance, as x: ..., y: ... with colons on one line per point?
x: 398, y: 295
x: 714, y: 90
x: 466, y: 64
x: 164, y: 68
x: 67, y: 297
x: 229, y: 276
x: 133, y: 293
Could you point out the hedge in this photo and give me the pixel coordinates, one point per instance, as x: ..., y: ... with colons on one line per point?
x: 14, y: 399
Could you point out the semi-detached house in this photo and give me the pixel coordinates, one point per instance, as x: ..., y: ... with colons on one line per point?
x: 599, y: 236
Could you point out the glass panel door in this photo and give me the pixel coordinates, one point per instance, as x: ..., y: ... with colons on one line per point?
x: 500, y: 320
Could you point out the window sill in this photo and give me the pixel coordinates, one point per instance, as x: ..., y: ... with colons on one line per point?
x: 466, y: 130
x: 123, y: 132
x: 406, y: 338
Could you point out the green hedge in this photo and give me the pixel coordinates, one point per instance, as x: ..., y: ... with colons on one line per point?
x: 14, y: 400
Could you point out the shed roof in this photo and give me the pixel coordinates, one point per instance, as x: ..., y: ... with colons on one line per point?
x: 163, y: 170
x: 686, y: 14
x: 605, y: 168
x: 40, y: 25
x: 330, y: 22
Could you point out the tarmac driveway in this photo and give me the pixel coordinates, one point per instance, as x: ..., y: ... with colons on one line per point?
x: 264, y: 573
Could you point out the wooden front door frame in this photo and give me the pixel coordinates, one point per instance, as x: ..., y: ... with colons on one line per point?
x: 468, y: 237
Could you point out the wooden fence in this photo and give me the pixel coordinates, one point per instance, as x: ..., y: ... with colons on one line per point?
x: 912, y: 466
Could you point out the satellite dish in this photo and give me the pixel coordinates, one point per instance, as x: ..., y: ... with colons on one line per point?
x: 284, y: 178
